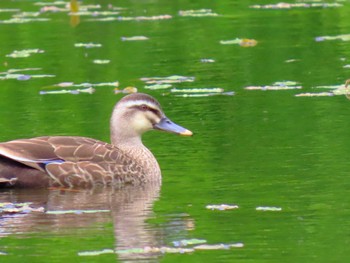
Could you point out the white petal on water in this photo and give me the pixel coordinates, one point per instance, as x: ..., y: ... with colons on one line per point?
x: 197, y: 13
x: 24, y: 53
x: 268, y: 208
x: 96, y: 252
x: 101, y: 61
x: 167, y: 80
x: 158, y: 86
x: 188, y: 242
x: 198, y: 90
x: 318, y: 94
x: 63, y: 212
x: 88, y: 45
x: 134, y: 38
x: 222, y: 207
x: 89, y: 90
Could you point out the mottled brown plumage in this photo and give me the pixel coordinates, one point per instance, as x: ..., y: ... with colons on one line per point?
x: 71, y: 161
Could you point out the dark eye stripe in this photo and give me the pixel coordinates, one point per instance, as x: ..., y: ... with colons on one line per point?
x: 144, y: 107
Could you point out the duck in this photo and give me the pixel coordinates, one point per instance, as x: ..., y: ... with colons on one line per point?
x: 80, y: 162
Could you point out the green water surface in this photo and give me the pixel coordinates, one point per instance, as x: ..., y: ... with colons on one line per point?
x: 256, y: 148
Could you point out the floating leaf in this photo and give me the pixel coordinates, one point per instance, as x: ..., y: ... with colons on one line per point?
x: 16, y: 20
x: 75, y: 91
x: 198, y: 90
x: 317, y: 94
x: 132, y: 18
x: 96, y: 253
x: 78, y: 212
x: 295, y: 5
x: 87, y: 45
x: 207, y: 60
x: 228, y: 93
x: 134, y: 38
x: 170, y: 79
x: 221, y: 207
x: 158, y: 86
x: 279, y: 85
x: 187, y: 242
x: 102, y: 84
x: 268, y: 208
x: 345, y: 37
x: 3, y: 10
x: 197, y: 13
x: 24, y: 76
x: 24, y: 53
x: 245, y: 42
x: 101, y: 61
x: 51, y: 3
x: 218, y: 246
x: 127, y: 90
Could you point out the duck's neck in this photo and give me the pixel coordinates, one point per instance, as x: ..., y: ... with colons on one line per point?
x: 139, y: 153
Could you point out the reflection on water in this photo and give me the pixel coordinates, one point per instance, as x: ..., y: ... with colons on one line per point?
x: 129, y: 207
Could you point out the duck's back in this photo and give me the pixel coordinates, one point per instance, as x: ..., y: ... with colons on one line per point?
x: 68, y: 161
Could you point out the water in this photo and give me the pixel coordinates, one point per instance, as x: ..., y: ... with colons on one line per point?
x: 256, y: 148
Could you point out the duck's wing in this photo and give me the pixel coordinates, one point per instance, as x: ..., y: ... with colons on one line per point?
x: 72, y: 161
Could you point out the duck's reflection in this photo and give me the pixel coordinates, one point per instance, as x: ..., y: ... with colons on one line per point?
x: 129, y: 208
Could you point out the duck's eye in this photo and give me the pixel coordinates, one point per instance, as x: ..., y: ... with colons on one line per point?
x: 144, y: 107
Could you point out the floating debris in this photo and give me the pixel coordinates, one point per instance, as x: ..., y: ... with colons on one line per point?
x: 3, y: 10
x: 134, y: 38
x: 268, y: 208
x: 51, y: 3
x: 18, y: 20
x: 243, y: 42
x: 96, y: 253
x: 158, y: 86
x: 167, y: 80
x: 345, y: 37
x: 75, y: 91
x: 88, y: 45
x: 132, y: 18
x: 333, y: 90
x: 24, y: 53
x: 72, y: 84
x: 18, y: 208
x: 278, y: 85
x: 188, y: 242
x: 127, y: 90
x: 53, y: 9
x: 291, y: 60
x: 3, y: 253
x: 197, y: 13
x: 295, y: 5
x: 221, y: 207
x: 94, y: 13
x: 77, y: 212
x: 24, y: 76
x: 207, y: 60
x: 163, y: 249
x: 317, y: 94
x: 228, y: 93
x: 218, y: 246
x: 101, y: 61
x: 198, y: 90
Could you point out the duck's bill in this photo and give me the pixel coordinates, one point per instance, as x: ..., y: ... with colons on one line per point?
x: 167, y: 125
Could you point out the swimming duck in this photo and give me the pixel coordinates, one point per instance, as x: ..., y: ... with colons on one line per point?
x: 71, y: 161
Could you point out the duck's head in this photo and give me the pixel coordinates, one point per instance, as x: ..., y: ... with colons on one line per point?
x: 137, y: 113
